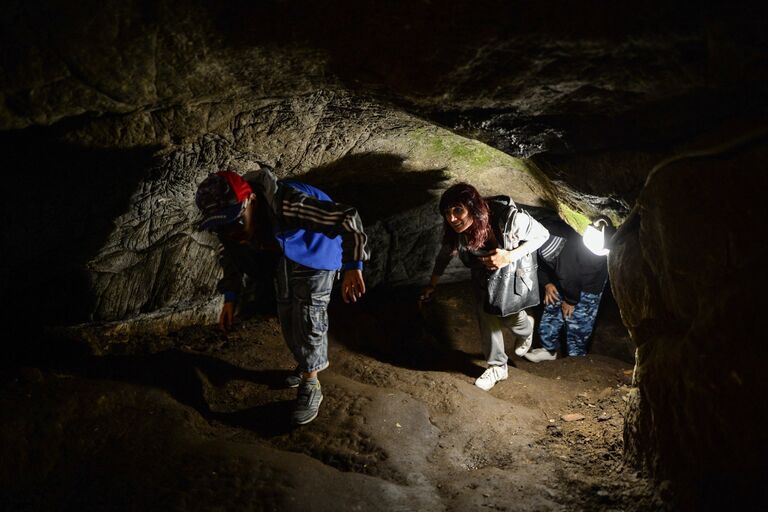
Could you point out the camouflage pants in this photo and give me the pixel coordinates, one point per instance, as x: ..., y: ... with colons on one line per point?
x: 578, y: 328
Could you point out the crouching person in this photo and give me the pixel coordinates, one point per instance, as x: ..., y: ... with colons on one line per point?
x: 573, y: 278
x: 497, y: 241
x: 314, y: 238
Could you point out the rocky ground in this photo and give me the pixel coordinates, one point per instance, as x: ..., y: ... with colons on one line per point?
x: 197, y: 420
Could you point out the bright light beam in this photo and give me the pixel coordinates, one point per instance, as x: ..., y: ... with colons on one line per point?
x: 594, y: 238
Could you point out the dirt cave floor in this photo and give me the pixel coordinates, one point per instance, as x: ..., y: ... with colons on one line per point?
x: 198, y: 420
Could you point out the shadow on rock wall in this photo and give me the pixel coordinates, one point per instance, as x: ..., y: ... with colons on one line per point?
x: 60, y: 202
x: 382, y: 188
x: 379, y: 185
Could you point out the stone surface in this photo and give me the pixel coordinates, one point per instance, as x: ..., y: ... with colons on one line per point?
x: 143, y: 257
x: 196, y: 420
x: 686, y: 275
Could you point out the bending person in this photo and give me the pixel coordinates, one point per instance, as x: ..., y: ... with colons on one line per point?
x: 314, y: 236
x: 497, y: 241
x: 573, y: 279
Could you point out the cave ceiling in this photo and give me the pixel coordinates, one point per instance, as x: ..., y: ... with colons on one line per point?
x: 591, y: 80
x: 532, y: 72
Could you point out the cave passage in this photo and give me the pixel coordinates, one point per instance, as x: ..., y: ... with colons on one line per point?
x: 117, y: 390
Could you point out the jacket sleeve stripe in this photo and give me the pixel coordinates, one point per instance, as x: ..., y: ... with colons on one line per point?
x: 311, y: 217
x: 302, y: 207
x: 330, y: 218
x: 359, y: 241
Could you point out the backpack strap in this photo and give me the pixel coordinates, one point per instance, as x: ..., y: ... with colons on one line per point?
x: 503, y: 209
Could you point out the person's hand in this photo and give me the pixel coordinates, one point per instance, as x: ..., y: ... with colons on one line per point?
x: 567, y: 309
x: 496, y: 259
x: 352, y: 285
x: 551, y: 295
x: 226, y: 316
x: 426, y: 293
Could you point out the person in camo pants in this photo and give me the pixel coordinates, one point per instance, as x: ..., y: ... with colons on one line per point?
x: 573, y: 279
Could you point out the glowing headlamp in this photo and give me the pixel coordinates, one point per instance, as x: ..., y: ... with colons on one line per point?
x: 594, y: 237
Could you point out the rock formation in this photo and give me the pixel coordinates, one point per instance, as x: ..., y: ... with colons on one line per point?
x: 113, y: 111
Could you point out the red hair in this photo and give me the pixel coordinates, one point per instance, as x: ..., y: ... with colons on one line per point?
x: 464, y: 194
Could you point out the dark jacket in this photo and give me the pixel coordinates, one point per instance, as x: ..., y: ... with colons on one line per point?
x: 575, y: 268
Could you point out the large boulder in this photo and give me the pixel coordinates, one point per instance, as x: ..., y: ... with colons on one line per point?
x: 687, y: 275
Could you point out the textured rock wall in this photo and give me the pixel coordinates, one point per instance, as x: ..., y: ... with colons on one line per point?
x: 92, y: 58
x: 122, y: 243
x: 688, y: 276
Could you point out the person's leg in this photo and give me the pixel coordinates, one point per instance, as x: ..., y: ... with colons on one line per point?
x: 492, y: 344
x: 284, y: 301
x: 581, y: 323
x: 550, y: 326
x: 311, y: 295
x: 491, y: 338
x: 521, y: 325
x: 518, y: 323
x: 284, y: 296
x: 549, y: 329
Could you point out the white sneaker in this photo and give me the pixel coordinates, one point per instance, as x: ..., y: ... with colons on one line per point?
x: 491, y: 376
x: 540, y: 354
x: 522, y: 346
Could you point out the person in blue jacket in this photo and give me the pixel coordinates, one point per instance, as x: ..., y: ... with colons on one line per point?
x: 315, y: 239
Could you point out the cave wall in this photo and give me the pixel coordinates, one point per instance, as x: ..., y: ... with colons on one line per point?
x: 112, y: 111
x: 123, y: 247
x: 124, y: 106
x: 686, y: 272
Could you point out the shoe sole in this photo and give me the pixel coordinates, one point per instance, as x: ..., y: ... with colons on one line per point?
x: 304, y: 422
x: 538, y: 359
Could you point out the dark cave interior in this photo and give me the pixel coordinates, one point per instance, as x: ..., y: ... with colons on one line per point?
x: 120, y: 393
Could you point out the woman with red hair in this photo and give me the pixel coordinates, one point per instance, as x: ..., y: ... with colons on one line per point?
x: 497, y: 241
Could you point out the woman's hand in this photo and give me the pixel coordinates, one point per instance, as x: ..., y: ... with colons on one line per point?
x: 496, y: 259
x: 567, y: 309
x: 352, y: 285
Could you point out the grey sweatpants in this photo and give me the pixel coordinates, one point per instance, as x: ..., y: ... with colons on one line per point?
x: 492, y: 337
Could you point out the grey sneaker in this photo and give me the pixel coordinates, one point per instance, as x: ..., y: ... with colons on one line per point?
x: 491, y: 376
x: 523, y: 345
x: 538, y: 355
x: 307, y: 402
x: 294, y: 379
